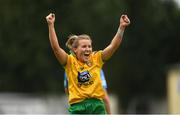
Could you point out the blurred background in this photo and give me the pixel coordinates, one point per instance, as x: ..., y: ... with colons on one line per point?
x: 138, y: 75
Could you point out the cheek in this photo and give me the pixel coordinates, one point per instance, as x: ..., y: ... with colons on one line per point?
x: 79, y: 53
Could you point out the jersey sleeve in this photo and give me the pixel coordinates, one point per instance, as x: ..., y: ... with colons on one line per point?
x: 98, y: 58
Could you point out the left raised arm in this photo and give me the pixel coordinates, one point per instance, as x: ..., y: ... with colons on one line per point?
x: 116, y: 41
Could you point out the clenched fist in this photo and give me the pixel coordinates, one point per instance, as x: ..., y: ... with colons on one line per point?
x: 50, y: 19
x: 124, y: 20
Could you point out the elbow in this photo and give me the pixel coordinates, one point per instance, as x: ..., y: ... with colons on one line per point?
x: 55, y: 48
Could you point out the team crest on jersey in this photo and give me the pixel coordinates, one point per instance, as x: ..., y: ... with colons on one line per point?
x: 84, y: 78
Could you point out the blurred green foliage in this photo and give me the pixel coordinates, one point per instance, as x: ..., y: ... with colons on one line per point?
x: 150, y: 45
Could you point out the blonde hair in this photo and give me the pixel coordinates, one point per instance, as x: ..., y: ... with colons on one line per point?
x: 72, y: 41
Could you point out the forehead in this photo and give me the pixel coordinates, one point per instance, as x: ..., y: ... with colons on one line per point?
x: 84, y: 42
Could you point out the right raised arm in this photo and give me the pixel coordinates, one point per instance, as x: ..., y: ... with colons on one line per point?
x: 60, y: 54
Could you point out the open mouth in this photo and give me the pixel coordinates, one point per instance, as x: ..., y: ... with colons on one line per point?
x: 86, y: 55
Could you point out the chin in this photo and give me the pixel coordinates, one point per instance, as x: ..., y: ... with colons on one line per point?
x: 85, y: 60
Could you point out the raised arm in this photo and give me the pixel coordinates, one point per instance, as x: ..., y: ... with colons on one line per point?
x: 60, y: 54
x: 116, y: 41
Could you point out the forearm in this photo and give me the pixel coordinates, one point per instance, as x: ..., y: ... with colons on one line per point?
x: 107, y: 106
x: 116, y: 41
x: 53, y: 38
x: 107, y: 103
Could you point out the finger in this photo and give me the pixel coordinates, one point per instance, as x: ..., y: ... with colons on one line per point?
x: 52, y: 14
x: 123, y: 16
x: 126, y: 19
x: 49, y: 17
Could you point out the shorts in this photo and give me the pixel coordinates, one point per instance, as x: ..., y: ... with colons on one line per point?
x: 88, y: 106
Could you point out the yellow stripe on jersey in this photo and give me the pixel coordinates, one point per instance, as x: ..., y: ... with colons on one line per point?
x: 84, y: 79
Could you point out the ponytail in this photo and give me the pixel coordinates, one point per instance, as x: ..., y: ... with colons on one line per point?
x: 70, y: 41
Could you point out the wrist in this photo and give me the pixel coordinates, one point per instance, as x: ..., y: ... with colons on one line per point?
x: 122, y: 27
x: 51, y: 24
x: 120, y: 31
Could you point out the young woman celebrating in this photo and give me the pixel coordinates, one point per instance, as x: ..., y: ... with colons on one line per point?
x: 83, y: 67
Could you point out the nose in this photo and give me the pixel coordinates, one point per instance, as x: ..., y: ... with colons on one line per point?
x: 88, y: 49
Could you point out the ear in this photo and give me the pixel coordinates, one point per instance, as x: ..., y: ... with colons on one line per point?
x: 75, y: 50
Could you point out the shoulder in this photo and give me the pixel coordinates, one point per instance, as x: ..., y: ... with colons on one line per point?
x: 97, y: 53
x: 71, y: 57
x: 70, y: 60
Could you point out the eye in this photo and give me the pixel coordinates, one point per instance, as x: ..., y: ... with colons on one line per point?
x: 84, y: 46
x: 89, y: 46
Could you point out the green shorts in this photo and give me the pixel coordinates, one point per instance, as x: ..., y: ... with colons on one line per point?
x: 88, y: 106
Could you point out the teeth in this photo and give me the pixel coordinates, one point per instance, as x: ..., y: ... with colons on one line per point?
x: 86, y: 54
